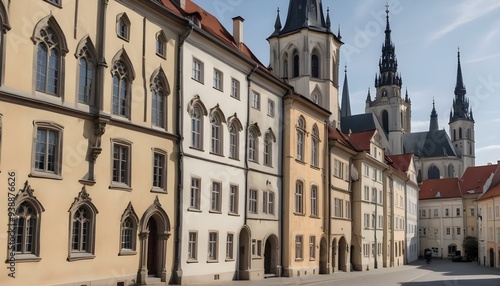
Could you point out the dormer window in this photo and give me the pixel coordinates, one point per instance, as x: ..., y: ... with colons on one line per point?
x: 123, y: 26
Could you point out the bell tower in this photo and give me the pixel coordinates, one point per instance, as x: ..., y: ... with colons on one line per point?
x: 462, y: 123
x: 391, y: 109
x: 305, y: 53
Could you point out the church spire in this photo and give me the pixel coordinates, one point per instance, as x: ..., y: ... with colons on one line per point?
x: 277, y: 25
x: 345, y: 108
x: 433, y: 126
x: 388, y: 64
x: 460, y: 102
x: 305, y: 14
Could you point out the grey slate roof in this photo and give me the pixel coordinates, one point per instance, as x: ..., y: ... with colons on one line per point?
x: 428, y: 144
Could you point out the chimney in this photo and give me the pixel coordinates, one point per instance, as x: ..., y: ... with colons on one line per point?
x: 238, y: 30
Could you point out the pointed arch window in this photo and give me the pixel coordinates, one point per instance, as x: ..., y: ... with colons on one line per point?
x: 123, y: 26
x: 234, y: 136
x: 315, y: 146
x: 301, y: 126
x: 82, y: 233
x: 296, y: 64
x: 252, y: 146
x: 216, y: 146
x: 268, y: 148
x: 385, y: 121
x: 50, y: 51
x: 159, y: 91
x: 87, y: 61
x: 196, y: 128
x: 315, y: 64
x: 121, y: 89
x: 451, y: 171
x: 26, y: 225
x: 460, y: 133
x: 161, y: 44
x: 299, y: 197
x: 285, y: 66
x: 433, y: 173
x: 128, y: 231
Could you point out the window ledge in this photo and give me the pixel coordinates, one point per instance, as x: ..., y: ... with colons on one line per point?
x: 120, y: 186
x: 299, y: 259
x: 315, y: 217
x: 197, y: 80
x: 234, y: 158
x: 218, y: 89
x: 233, y: 214
x: 74, y: 256
x: 127, y: 252
x: 256, y: 257
x: 315, y: 167
x: 21, y: 258
x: 123, y: 38
x: 192, y: 261
x: 299, y: 214
x: 214, y: 212
x: 158, y: 190
x: 196, y: 148
x: 312, y: 259
x: 300, y: 162
x: 212, y: 261
x: 161, y: 55
x: 44, y: 175
x: 190, y: 209
x: 216, y: 154
x: 158, y: 128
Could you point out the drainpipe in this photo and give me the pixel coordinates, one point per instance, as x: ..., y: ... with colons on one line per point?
x: 280, y: 194
x: 329, y: 203
x: 180, y: 162
x: 101, y: 47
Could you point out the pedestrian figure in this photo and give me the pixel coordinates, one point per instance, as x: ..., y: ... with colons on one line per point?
x: 428, y: 255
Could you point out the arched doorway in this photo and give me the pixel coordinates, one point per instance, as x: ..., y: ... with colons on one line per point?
x: 342, y: 254
x: 323, y: 257
x: 452, y: 248
x: 492, y: 257
x: 153, y: 235
x: 351, y: 257
x: 334, y: 254
x: 271, y: 256
x: 243, y: 254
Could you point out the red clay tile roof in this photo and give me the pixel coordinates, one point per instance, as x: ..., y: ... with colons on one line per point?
x: 493, y: 192
x: 475, y: 177
x: 211, y: 25
x: 336, y: 134
x: 439, y: 188
x: 361, y: 139
x: 402, y: 161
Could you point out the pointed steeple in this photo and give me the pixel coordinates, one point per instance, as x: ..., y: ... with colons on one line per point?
x: 460, y: 102
x: 338, y: 34
x: 368, y: 97
x: 433, y: 126
x: 277, y: 25
x: 328, y: 22
x: 305, y: 14
x: 345, y: 107
x: 407, y: 98
x: 388, y: 64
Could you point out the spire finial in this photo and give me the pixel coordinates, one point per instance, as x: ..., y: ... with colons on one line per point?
x: 338, y: 34
x: 345, y: 70
x: 328, y: 22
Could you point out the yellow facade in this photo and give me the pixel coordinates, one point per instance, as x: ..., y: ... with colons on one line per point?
x: 98, y: 213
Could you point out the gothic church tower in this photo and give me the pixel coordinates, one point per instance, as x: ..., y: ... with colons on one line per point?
x: 462, y: 123
x: 305, y: 52
x: 392, y: 111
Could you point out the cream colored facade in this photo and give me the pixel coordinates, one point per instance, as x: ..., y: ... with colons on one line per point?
x: 340, y: 205
x: 397, y: 242
x: 304, y: 240
x: 412, y: 192
x: 100, y: 188
x: 489, y: 231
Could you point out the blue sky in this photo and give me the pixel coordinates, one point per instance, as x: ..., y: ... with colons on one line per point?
x: 426, y: 34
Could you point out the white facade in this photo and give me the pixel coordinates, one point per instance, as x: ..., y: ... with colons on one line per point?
x: 441, y: 226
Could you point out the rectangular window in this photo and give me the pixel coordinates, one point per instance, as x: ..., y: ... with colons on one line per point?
x: 215, y: 197
x: 193, y: 246
x: 366, y: 220
x: 446, y: 212
x: 212, y: 246
x: 458, y: 211
x: 338, y: 203
x: 270, y: 204
x: 338, y: 169
x: 448, y: 231
x: 254, y: 247
x: 472, y: 211
x: 233, y: 199
x: 374, y: 195
x: 366, y: 195
x: 459, y: 231
x: 299, y: 193
x: 270, y: 108
x: 312, y: 247
x: 381, y: 198
x: 194, y: 202
x: 218, y: 79
x: 252, y: 201
x: 230, y: 246
x: 235, y: 88
x: 314, y: 201
x: 436, y: 212
x: 197, y: 70
x: 366, y: 249
x: 422, y: 213
x: 298, y: 247
x: 366, y: 171
x: 256, y: 100
x: 121, y: 164
x: 348, y: 209
x: 48, y: 151
x: 159, y: 171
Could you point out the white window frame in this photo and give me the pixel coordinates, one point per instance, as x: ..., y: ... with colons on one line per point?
x: 218, y: 80
x: 215, y: 197
x: 197, y: 70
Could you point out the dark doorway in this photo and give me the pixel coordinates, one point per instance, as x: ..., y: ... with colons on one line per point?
x: 492, y: 257
x: 243, y: 255
x: 270, y: 256
x: 323, y: 257
x: 152, y: 247
x: 342, y: 254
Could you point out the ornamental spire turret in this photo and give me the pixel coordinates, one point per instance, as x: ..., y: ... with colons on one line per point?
x: 388, y: 64
x: 277, y: 25
x: 305, y: 14
x: 460, y: 102
x: 345, y: 107
x: 433, y: 125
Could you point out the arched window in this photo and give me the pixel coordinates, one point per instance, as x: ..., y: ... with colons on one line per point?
x: 161, y: 44
x: 82, y: 233
x: 314, y: 200
x: 123, y: 75
x: 123, y: 26
x: 419, y: 176
x: 451, y: 171
x: 454, y: 134
x: 433, y: 173
x: 385, y: 121
x: 234, y: 136
x: 128, y: 232
x: 315, y: 146
x: 315, y: 64
x: 51, y: 49
x: 296, y: 64
x: 460, y: 133
x: 252, y: 146
x: 216, y: 144
x: 87, y: 59
x: 299, y: 197
x: 159, y: 91
x: 26, y: 225
x: 268, y: 148
x: 196, y: 128
x: 301, y: 126
x: 285, y: 66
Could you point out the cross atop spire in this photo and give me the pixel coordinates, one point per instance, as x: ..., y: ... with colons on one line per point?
x: 345, y: 106
x: 434, y: 118
x: 388, y: 64
x: 460, y: 102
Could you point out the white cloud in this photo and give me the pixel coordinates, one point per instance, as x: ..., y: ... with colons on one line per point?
x: 483, y: 58
x: 467, y: 11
